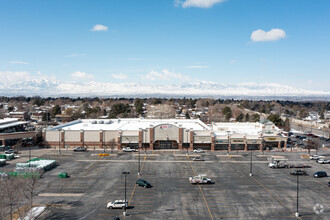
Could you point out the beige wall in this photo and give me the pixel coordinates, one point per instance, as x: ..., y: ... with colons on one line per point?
x: 52, y: 136
x: 129, y: 139
x: 92, y: 136
x: 110, y: 135
x: 166, y: 132
x: 202, y: 139
x: 72, y: 136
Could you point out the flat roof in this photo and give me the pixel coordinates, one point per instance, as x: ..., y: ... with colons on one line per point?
x: 237, y: 128
x: 10, y: 122
x: 127, y: 124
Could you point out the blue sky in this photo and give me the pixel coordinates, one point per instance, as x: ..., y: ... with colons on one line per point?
x: 165, y: 41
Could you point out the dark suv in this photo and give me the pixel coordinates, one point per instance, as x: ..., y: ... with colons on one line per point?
x: 320, y: 174
x: 141, y: 182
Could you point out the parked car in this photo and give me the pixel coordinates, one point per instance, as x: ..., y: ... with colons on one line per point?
x: 299, y: 172
x: 79, y: 149
x: 328, y: 184
x: 141, y: 182
x: 315, y: 157
x: 198, y: 159
x: 198, y: 150
x: 323, y: 161
x: 10, y: 151
x: 320, y: 174
x: 128, y: 149
x: 200, y: 179
x: 118, y: 204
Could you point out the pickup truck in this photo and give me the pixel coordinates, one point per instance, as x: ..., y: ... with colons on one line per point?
x: 128, y: 149
x: 200, y: 179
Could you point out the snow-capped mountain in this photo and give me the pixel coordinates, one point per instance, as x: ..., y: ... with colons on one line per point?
x: 45, y: 87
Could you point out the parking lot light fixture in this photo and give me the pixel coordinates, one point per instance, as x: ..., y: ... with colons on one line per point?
x: 139, y: 161
x: 297, y: 212
x: 125, y: 173
x: 59, y: 140
x: 251, y: 162
x: 228, y: 142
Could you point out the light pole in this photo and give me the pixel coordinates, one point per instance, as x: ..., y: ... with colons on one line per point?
x: 145, y: 141
x: 139, y: 162
x: 30, y: 155
x: 125, y: 173
x: 228, y: 142
x: 59, y: 140
x: 187, y: 131
x: 251, y: 162
x: 297, y: 212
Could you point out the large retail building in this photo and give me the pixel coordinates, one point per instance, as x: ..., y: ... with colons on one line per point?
x: 155, y: 134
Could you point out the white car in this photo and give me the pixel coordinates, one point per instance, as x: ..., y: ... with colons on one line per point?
x: 198, y: 159
x: 315, y: 157
x: 323, y: 161
x: 118, y: 204
x: 198, y: 150
x: 200, y: 179
x: 128, y: 149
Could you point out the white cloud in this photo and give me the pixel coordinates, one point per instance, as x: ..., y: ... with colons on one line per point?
x: 272, y: 35
x: 197, y: 3
x: 9, y: 77
x: 18, y: 62
x: 233, y: 61
x: 99, y: 27
x: 119, y: 76
x: 198, y: 67
x: 164, y: 75
x: 81, y: 75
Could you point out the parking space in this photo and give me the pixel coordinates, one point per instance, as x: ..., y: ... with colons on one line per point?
x: 268, y: 194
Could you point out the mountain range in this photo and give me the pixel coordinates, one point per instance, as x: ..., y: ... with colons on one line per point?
x: 44, y: 87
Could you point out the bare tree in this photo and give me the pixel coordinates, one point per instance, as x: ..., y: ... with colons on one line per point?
x: 11, y: 197
x: 112, y: 144
x: 312, y: 144
x: 162, y: 111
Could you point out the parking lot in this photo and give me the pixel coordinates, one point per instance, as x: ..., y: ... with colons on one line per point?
x: 268, y: 194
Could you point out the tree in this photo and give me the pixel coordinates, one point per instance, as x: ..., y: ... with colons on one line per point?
x: 112, y: 144
x: 162, y: 111
x: 240, y: 117
x: 247, y: 117
x: 276, y: 119
x: 119, y: 109
x: 55, y: 110
x: 139, y: 106
x: 287, y: 125
x: 255, y: 117
x: 312, y: 144
x: 226, y: 111
x: 45, y: 116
